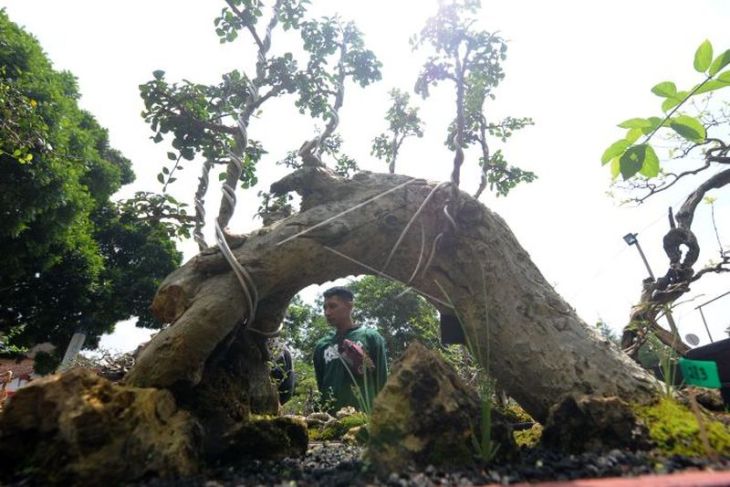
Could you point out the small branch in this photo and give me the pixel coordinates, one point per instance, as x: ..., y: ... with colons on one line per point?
x: 271, y: 94
x: 654, y: 189
x: 718, y: 269
x: 686, y: 213
x: 485, y: 156
x: 249, y: 26
x: 203, y: 124
x: 674, y: 110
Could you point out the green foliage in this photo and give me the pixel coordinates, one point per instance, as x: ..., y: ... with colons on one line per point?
x: 472, y: 60
x: 629, y: 156
x: 403, y: 122
x: 73, y: 259
x: 400, y: 315
x: 329, y: 41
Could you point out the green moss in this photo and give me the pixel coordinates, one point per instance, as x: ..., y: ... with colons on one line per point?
x: 337, y: 430
x: 675, y: 430
x: 528, y: 438
x: 514, y: 413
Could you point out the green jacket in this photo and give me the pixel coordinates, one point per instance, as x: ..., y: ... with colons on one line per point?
x: 333, y: 378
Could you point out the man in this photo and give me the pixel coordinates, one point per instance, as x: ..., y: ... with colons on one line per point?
x: 350, y: 362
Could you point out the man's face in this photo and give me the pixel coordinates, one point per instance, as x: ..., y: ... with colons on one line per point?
x: 337, y: 310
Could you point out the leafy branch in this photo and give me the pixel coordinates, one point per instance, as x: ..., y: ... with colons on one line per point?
x: 629, y: 158
x: 471, y: 59
x: 403, y: 122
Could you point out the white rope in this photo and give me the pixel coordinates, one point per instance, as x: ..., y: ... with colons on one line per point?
x: 434, y: 246
x: 359, y: 205
x: 449, y: 217
x: 383, y: 274
x: 200, y: 206
x: 410, y: 222
x: 420, y: 254
x: 247, y: 284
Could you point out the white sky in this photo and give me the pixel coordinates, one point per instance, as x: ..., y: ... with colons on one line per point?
x: 577, y: 68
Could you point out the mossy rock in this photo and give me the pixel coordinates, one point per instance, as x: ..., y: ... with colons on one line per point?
x: 675, y: 429
x: 265, y: 438
x: 528, y: 438
x: 335, y: 430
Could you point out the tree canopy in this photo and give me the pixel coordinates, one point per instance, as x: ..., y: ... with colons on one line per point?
x: 73, y: 258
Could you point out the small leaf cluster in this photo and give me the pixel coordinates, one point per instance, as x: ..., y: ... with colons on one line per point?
x: 630, y: 156
x: 345, y: 165
x: 21, y: 127
x: 323, y: 39
x: 229, y: 23
x: 472, y: 60
x: 161, y: 210
x: 192, y: 113
x: 403, y: 122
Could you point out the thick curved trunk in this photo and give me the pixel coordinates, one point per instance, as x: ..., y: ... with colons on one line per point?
x: 538, y: 348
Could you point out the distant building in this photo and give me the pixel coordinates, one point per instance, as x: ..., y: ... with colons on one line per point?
x: 18, y: 372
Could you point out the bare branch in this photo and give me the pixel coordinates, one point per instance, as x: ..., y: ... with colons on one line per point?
x: 686, y: 213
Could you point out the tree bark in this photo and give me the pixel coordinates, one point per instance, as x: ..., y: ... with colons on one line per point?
x: 538, y: 349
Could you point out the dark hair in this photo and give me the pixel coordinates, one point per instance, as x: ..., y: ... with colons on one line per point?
x: 340, y: 292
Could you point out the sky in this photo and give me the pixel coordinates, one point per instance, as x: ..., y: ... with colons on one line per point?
x: 577, y: 68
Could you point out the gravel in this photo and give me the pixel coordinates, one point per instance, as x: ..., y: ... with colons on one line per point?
x: 335, y: 464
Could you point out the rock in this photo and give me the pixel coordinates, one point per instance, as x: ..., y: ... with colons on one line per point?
x: 78, y: 428
x: 344, y: 412
x: 425, y: 415
x: 265, y: 438
x: 357, y: 435
x: 592, y: 423
x: 711, y: 399
x: 322, y: 417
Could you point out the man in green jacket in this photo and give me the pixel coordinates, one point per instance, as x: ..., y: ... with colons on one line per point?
x: 349, y: 362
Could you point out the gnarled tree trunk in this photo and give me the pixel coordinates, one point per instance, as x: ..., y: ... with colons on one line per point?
x: 539, y: 350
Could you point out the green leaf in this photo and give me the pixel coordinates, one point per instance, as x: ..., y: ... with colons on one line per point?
x: 654, y: 122
x: 172, y: 156
x: 165, y: 170
x: 673, y: 101
x: 712, y: 85
x: 615, y: 167
x: 688, y: 127
x: 632, y: 135
x: 161, y: 178
x: 720, y: 62
x: 616, y: 149
x: 650, y: 168
x: 634, y: 123
x: 703, y: 57
x: 665, y: 88
x: 632, y: 160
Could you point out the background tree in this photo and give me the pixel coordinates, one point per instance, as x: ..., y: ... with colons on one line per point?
x: 692, y: 128
x: 398, y: 313
x: 74, y: 259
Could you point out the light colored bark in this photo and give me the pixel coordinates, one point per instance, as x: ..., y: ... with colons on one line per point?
x: 538, y: 348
